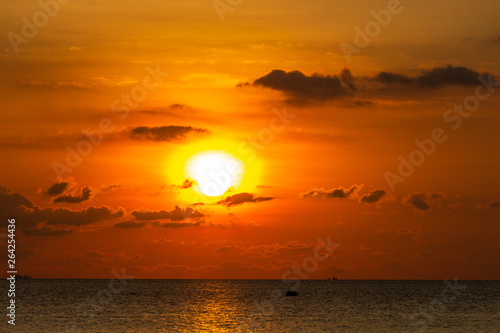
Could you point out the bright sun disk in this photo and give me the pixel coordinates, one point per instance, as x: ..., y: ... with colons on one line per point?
x: 214, y: 171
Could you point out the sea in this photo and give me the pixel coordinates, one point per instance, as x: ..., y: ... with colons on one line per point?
x: 254, y: 306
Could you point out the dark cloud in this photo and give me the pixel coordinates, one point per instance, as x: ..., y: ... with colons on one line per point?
x: 58, y: 188
x: 188, y: 183
x: 356, y: 103
x: 106, y: 188
x: 418, y: 200
x: 406, y: 231
x: 495, y: 205
x: 421, y: 201
x: 383, y: 252
x: 225, y: 248
x: 58, y: 84
x: 241, y: 198
x: 61, y: 216
x: 146, y: 215
x: 315, y: 87
x: 28, y: 216
x: 181, y: 225
x: 373, y: 196
x: 163, y: 133
x: 130, y: 224
x: 433, y: 78
x: 178, y: 214
x: 69, y: 198
x: 94, y: 254
x: 11, y: 201
x: 392, y: 78
x: 16, y: 206
x: 426, y: 254
x: 336, y: 193
x: 161, y: 241
x: 177, y: 106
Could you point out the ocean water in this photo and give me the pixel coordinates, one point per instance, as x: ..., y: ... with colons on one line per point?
x: 255, y: 306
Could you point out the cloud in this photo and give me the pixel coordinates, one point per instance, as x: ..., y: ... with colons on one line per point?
x: 62, y: 216
x: 163, y: 133
x: 383, y: 252
x: 178, y: 214
x: 433, y: 78
x: 58, y: 188
x: 108, y: 188
x: 226, y: 248
x: 495, y: 205
x: 181, y: 224
x: 336, y: 193
x: 94, y: 254
x: 33, y: 217
x: 315, y: 87
x: 10, y: 201
x: 241, y: 198
x: 374, y: 196
x: 392, y: 78
x: 58, y: 84
x: 418, y: 200
x: 421, y: 201
x: 318, y: 87
x: 426, y: 254
x: 406, y: 231
x: 130, y: 224
x: 161, y: 241
x: 188, y: 183
x: 69, y: 198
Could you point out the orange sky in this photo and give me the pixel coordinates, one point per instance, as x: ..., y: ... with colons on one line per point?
x: 318, y: 134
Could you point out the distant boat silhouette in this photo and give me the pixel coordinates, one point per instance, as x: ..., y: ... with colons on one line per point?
x: 292, y: 293
x: 333, y: 278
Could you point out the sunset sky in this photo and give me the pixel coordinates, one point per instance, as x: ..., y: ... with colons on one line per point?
x: 141, y: 87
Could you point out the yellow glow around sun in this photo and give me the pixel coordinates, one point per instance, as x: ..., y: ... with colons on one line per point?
x: 214, y: 171
x: 219, y: 167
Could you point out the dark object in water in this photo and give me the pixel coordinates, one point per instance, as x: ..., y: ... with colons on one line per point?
x: 292, y: 293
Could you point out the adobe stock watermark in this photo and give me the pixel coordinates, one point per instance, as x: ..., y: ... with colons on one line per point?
x: 455, y: 117
x: 30, y: 28
x: 93, y: 306
x: 223, y: 6
x: 122, y: 106
x: 372, y: 29
x: 421, y: 320
x: 294, y: 276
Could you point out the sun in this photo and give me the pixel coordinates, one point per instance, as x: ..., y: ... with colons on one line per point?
x: 218, y: 166
x: 214, y: 171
